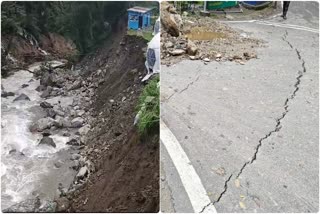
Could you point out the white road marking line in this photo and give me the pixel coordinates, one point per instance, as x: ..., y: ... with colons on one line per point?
x: 296, y: 27
x: 241, y: 21
x: 285, y: 24
x: 268, y: 22
x: 189, y: 177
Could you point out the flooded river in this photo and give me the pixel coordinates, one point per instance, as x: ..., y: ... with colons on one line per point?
x: 27, y: 169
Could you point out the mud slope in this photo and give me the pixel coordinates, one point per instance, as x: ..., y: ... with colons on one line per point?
x: 126, y: 177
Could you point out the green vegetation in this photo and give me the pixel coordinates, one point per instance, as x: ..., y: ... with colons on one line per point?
x: 87, y: 24
x: 147, y: 35
x: 149, y: 107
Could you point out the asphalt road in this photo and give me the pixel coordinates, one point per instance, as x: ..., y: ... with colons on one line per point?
x: 251, y: 132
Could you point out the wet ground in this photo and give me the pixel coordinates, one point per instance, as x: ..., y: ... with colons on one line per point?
x: 204, y: 34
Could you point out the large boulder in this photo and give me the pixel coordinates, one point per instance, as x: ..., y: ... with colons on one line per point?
x: 169, y: 44
x: 47, y: 141
x: 42, y: 124
x: 59, y: 111
x: 62, y: 122
x: 58, y: 121
x: 45, y: 105
x: 77, y: 84
x: 77, y: 122
x: 6, y: 94
x: 84, y: 130
x: 51, y: 79
x: 51, y: 113
x: 46, y: 133
x: 170, y: 20
x: 178, y: 20
x: 46, y: 92
x: 21, y: 97
x: 191, y: 48
x: 40, y: 88
x: 58, y: 80
x: 83, y: 172
x: 177, y: 52
x: 74, y: 142
x: 169, y: 24
x: 46, y: 79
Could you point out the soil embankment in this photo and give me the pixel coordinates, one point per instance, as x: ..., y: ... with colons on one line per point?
x: 126, y: 167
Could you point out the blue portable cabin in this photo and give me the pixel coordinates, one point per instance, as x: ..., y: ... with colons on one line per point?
x: 139, y: 17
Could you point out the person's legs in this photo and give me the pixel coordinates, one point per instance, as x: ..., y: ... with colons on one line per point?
x: 285, y: 9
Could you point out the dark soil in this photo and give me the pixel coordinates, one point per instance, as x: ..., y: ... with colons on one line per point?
x: 126, y: 177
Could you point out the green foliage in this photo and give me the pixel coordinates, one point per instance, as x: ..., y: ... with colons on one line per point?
x: 86, y: 23
x: 147, y: 35
x: 149, y: 107
x: 11, y: 17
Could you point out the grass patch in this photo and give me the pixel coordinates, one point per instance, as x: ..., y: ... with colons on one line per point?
x: 149, y: 107
x: 147, y: 35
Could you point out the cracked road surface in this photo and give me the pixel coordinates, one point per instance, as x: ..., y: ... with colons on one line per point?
x: 251, y: 131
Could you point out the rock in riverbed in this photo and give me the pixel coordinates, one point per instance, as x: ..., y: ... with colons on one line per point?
x: 74, y: 142
x: 21, y: 97
x: 40, y: 88
x: 45, y: 105
x: 42, y: 124
x: 46, y: 93
x: 84, y: 130
x: 77, y: 122
x: 51, y: 113
x: 47, y: 141
x: 77, y: 84
x: 46, y: 133
x: 6, y: 94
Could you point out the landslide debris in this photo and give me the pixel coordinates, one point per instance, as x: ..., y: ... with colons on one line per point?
x: 202, y: 38
x: 125, y: 176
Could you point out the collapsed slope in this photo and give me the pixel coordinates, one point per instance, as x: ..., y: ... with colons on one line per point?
x: 126, y: 166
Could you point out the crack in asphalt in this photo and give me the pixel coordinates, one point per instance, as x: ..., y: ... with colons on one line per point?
x: 221, y: 194
x: 205, y: 207
x: 171, y: 196
x: 286, y: 106
x: 277, y: 127
x: 191, y: 83
x: 225, y: 189
x: 185, y: 88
